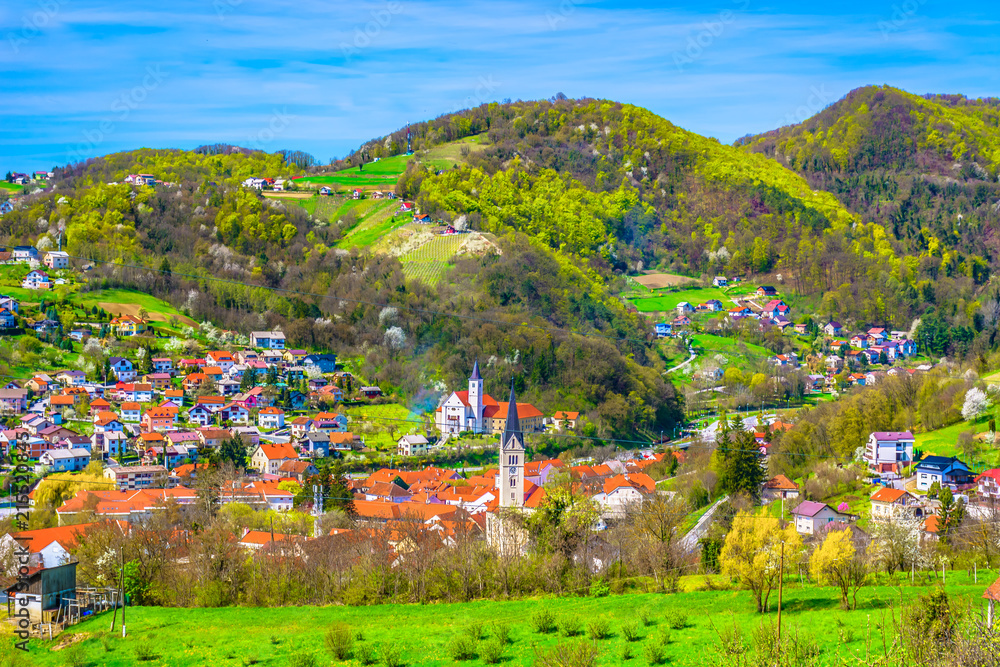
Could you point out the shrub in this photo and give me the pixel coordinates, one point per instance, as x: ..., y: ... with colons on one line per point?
x: 598, y: 629
x: 501, y: 631
x: 664, y: 636
x: 569, y: 654
x: 391, y: 656
x: 462, y: 647
x: 359, y: 636
x: 250, y: 659
x: 365, y: 653
x: 572, y: 626
x: 677, y: 620
x: 302, y: 660
x: 491, y: 651
x: 543, y: 621
x: 475, y: 630
x: 654, y: 654
x: 646, y: 617
x: 630, y: 631
x: 144, y: 652
x: 274, y: 640
x: 75, y: 657
x: 626, y: 653
x: 339, y: 641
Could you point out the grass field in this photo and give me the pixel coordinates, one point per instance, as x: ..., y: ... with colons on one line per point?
x: 670, y: 300
x: 11, y: 188
x: 448, y: 155
x: 374, y: 176
x: 382, y: 418
x: 730, y: 347
x: 378, y: 221
x: 944, y: 442
x: 119, y: 301
x: 244, y: 636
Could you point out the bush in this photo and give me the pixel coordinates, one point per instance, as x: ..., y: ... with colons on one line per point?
x: 250, y: 659
x: 646, y: 617
x: 391, y: 656
x: 75, y: 657
x: 677, y: 620
x: 475, y: 630
x: 365, y: 653
x: 302, y: 660
x: 626, y: 653
x: 654, y: 654
x: 105, y: 641
x: 274, y: 640
x: 630, y: 631
x: 339, y: 641
x: 544, y: 621
x: 491, y: 651
x: 462, y: 647
x: 577, y: 654
x: 598, y: 629
x: 572, y: 626
x: 501, y: 631
x: 144, y: 652
x: 664, y: 636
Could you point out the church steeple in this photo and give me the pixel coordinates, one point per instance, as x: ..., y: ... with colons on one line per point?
x: 476, y: 400
x: 510, y: 481
x: 475, y: 371
x: 512, y: 428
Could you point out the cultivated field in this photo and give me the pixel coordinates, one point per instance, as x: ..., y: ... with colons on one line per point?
x: 661, y: 280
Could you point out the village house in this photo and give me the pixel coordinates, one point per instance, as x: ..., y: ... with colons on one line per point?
x: 267, y: 458
x: 131, y: 412
x: 159, y: 419
x: 832, y: 328
x: 810, y: 516
x: 271, y: 418
x: 888, y: 503
x: 945, y: 470
x: 889, y: 450
x: 163, y: 365
x: 234, y: 413
x: 137, y: 477
x: 13, y: 401
x: 63, y: 460
x: 56, y: 259
x: 779, y: 487
x: 412, y: 445
x: 766, y: 290
x: 720, y: 281
x: 122, y: 368
x: 564, y: 420
x: 127, y: 325
x: 213, y: 437
x: 988, y: 484
x: 36, y: 279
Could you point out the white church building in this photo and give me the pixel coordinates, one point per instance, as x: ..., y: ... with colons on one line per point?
x: 465, y: 410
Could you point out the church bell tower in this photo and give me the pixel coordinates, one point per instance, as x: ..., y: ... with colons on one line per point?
x: 511, y: 478
x: 476, y: 399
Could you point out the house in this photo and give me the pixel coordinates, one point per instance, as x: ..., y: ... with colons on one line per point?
x: 988, y: 484
x: 301, y: 426
x: 832, y: 328
x: 877, y: 336
x: 662, y: 330
x: 565, y: 420
x: 56, y: 259
x: 811, y: 516
x: 71, y: 378
x: 213, y: 437
x: 138, y: 392
x: 293, y: 356
x: 370, y: 392
x: 267, y: 458
x: 268, y: 340
x: 36, y: 279
x: 42, y: 592
x: 801, y: 329
x: 317, y: 443
x: 24, y: 253
x: 127, y: 325
x: 163, y: 365
x: 907, y: 348
x: 680, y: 321
x: 720, y: 281
x: 158, y: 381
x: 159, y: 419
x: 684, y: 307
x: 221, y: 359
x: 7, y: 319
x: 945, y: 470
x: 122, y: 368
x: 712, y: 306
x: 137, y: 477
x: 63, y: 460
x: 738, y: 312
x: 297, y: 470
x: 356, y: 194
x: 776, y: 308
x: 412, y: 445
x: 235, y: 413
x: 324, y: 363
x: 766, y: 290
x: 201, y: 414
x: 325, y: 191
x: 859, y: 341
x: 131, y: 412
x: 888, y: 503
x: 271, y: 418
x: 779, y: 487
x: 13, y: 401
x: 894, y: 448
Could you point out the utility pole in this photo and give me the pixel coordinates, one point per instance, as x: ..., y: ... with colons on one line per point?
x: 122, y: 593
x: 781, y: 582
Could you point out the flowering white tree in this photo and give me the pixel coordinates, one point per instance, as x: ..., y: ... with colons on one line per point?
x: 976, y: 403
x: 395, y: 338
x: 895, y: 543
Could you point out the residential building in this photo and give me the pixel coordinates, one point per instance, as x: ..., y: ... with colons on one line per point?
x: 128, y: 325
x: 36, y: 279
x: 131, y: 412
x: 766, y: 290
x: 412, y: 445
x: 565, y: 421
x: 13, y: 401
x: 122, y: 368
x: 62, y: 460
x: 988, y: 484
x: 720, y: 281
x: 137, y: 477
x: 810, y: 516
x: 662, y: 330
x: 779, y: 487
x: 271, y: 418
x: 163, y: 365
x: 888, y: 503
x: 889, y: 450
x: 267, y: 458
x: 945, y: 470
x: 7, y: 319
x: 159, y: 419
x: 832, y: 328
x: 56, y: 259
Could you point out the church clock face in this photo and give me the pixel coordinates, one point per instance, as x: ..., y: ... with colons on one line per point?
x: 512, y: 471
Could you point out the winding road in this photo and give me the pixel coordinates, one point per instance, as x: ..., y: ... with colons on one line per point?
x: 690, y: 541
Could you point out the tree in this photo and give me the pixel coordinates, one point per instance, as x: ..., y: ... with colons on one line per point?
x: 741, y: 471
x: 976, y: 403
x: 249, y: 380
x: 895, y: 543
x: 837, y: 562
x: 752, y: 551
x: 950, y: 513
x: 233, y: 450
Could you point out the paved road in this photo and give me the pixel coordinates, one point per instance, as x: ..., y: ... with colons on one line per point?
x: 690, y: 541
x: 680, y: 366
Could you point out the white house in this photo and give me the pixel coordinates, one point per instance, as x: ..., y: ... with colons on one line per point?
x: 267, y: 458
x: 720, y: 281
x: 412, y: 445
x: 271, y: 418
x: 57, y: 259
x: 684, y: 307
x: 36, y: 279
x: 944, y: 470
x: 122, y: 368
x: 887, y: 450
x: 988, y: 484
x: 888, y: 503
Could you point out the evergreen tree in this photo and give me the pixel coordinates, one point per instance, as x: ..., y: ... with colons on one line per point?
x: 234, y: 450
x: 742, y: 472
x: 249, y: 380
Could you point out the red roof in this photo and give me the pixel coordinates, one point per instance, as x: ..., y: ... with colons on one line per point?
x: 282, y: 451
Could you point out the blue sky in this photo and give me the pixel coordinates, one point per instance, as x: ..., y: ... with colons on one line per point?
x: 84, y: 77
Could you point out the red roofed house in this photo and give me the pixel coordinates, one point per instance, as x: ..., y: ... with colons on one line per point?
x: 620, y: 492
x: 988, y: 484
x: 531, y: 418
x: 888, y: 503
x: 267, y: 458
x: 159, y: 419
x: 779, y: 487
x: 564, y: 420
x: 271, y: 418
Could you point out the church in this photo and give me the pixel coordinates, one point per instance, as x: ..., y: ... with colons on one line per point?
x: 476, y: 411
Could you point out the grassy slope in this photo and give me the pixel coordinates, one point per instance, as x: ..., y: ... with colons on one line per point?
x: 375, y: 223
x: 944, y: 442
x: 236, y: 636
x: 670, y: 300
x: 429, y: 262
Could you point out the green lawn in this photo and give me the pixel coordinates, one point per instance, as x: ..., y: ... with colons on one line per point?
x: 448, y: 155
x: 670, y: 300
x: 944, y: 442
x: 383, y: 418
x: 709, y: 344
x: 12, y: 188
x: 430, y: 262
x: 378, y: 221
x: 243, y: 636
x: 123, y: 296
x: 375, y: 175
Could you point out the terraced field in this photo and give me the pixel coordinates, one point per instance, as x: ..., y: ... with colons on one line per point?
x: 377, y: 218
